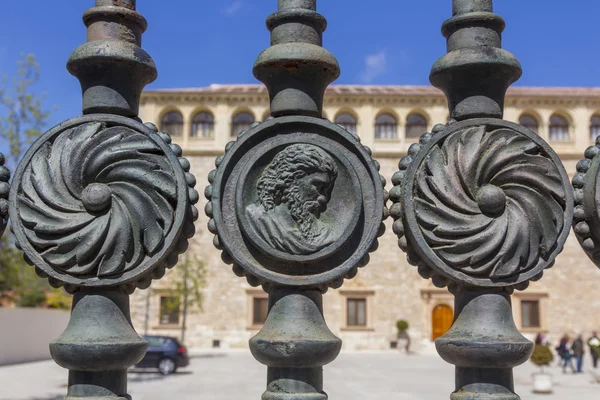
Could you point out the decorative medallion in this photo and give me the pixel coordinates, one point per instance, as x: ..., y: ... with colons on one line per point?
x: 296, y: 201
x: 586, y: 218
x: 101, y: 201
x: 482, y: 202
x: 4, y: 192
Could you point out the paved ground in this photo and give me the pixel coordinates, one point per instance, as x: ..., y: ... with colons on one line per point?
x: 236, y: 376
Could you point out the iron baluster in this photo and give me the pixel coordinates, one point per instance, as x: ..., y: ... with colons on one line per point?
x: 481, y: 205
x: 102, y: 204
x: 296, y: 204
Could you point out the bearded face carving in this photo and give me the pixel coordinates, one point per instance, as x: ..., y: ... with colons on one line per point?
x: 293, y: 191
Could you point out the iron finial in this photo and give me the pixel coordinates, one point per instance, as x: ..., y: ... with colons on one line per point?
x: 476, y: 71
x: 112, y: 67
x: 296, y: 69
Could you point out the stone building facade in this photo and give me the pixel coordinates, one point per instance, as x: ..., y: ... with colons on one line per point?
x: 365, y: 311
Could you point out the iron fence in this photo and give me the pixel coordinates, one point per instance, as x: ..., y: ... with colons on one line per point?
x: 102, y: 204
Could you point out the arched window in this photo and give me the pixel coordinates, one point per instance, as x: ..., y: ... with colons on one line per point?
x: 416, y: 125
x: 386, y: 127
x: 529, y: 122
x: 172, y: 123
x: 595, y: 127
x: 203, y: 125
x: 559, y: 129
x: 346, y: 121
x: 241, y: 122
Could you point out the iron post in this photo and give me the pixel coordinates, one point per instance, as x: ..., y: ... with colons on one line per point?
x: 102, y: 204
x: 481, y: 205
x: 296, y: 204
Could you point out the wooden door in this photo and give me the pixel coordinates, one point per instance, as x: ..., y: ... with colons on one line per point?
x: 441, y: 320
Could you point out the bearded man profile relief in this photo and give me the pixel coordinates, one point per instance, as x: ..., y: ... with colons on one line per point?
x: 293, y: 191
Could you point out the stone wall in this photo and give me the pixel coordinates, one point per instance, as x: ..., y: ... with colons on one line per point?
x: 392, y: 287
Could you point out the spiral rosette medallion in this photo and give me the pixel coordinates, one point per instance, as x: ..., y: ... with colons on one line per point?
x: 4, y: 192
x: 586, y: 187
x: 101, y: 201
x: 296, y: 201
x: 482, y: 202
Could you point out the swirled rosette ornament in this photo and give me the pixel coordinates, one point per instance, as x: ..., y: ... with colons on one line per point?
x: 482, y: 202
x: 296, y: 201
x: 586, y: 218
x: 4, y: 192
x: 102, y: 201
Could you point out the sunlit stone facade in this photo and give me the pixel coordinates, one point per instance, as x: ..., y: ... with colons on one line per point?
x: 364, y: 312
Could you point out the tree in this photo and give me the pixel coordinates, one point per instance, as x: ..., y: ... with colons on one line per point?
x: 11, y: 266
x: 187, y: 280
x: 22, y: 120
x: 20, y: 285
x: 24, y: 116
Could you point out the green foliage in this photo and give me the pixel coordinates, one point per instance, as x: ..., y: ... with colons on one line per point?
x: 19, y: 282
x: 24, y: 117
x: 59, y: 299
x: 402, y: 325
x: 22, y: 120
x: 542, y: 355
x: 11, y: 265
x: 15, y: 274
x: 188, y: 278
x: 31, y: 298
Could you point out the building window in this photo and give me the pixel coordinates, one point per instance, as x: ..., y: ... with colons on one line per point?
x: 559, y: 129
x: 241, y: 122
x: 529, y: 122
x: 203, y: 125
x: 169, y: 310
x: 386, y: 127
x: 530, y: 314
x: 594, y: 127
x: 260, y: 309
x: 346, y: 121
x: 172, y: 123
x: 357, y: 312
x: 416, y: 125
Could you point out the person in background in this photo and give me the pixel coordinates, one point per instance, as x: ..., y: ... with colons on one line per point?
x: 564, y: 352
x: 578, y: 351
x: 542, y: 339
x: 594, y: 344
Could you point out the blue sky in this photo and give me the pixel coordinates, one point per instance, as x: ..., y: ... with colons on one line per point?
x: 199, y: 42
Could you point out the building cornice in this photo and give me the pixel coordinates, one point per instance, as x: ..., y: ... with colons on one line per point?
x: 356, y: 95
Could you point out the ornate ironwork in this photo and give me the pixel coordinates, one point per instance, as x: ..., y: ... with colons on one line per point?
x: 296, y: 204
x: 481, y: 205
x: 4, y: 192
x: 102, y: 204
x: 586, y: 217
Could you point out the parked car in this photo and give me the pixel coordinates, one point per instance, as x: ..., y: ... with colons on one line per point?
x: 164, y: 353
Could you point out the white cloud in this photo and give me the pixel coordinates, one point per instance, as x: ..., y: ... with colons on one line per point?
x: 375, y: 65
x: 232, y: 8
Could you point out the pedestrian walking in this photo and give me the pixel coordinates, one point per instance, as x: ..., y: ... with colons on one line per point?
x: 578, y: 351
x: 564, y: 352
x: 594, y: 344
